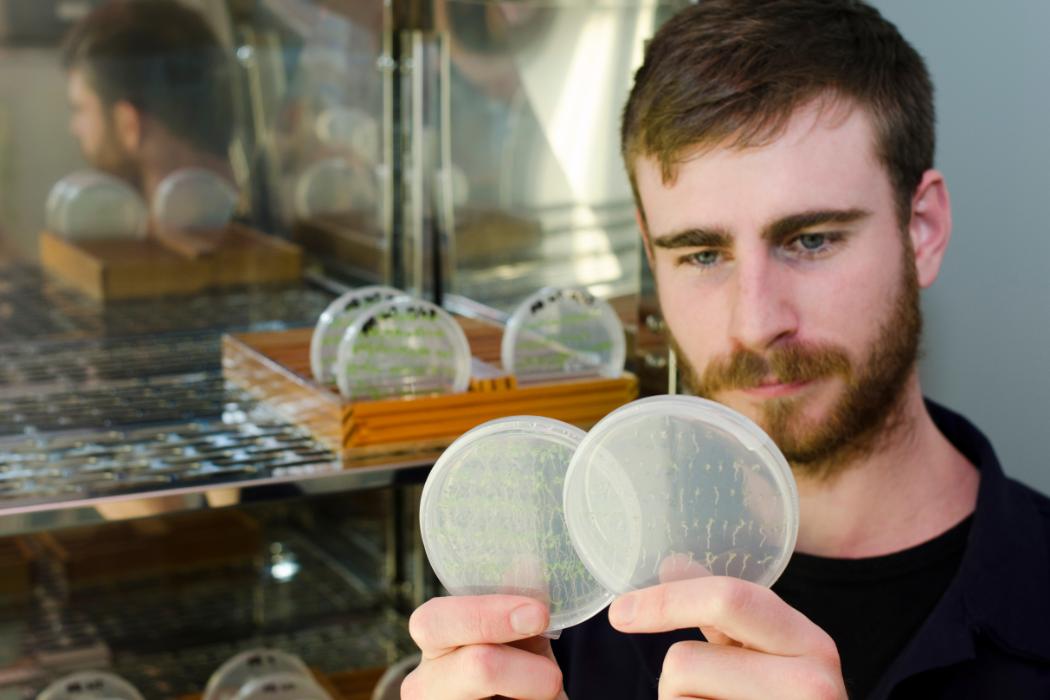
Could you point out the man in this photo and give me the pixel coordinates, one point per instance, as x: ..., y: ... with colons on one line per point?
x: 149, y: 90
x: 781, y: 154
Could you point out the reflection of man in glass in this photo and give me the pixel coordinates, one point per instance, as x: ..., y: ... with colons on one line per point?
x: 148, y: 89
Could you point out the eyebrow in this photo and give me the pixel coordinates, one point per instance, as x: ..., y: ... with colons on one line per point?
x: 776, y: 232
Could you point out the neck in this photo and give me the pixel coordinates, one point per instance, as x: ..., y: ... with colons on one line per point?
x: 914, y: 486
x: 163, y: 154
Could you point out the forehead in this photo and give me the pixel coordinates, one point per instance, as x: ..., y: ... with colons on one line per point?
x: 79, y: 87
x: 823, y: 159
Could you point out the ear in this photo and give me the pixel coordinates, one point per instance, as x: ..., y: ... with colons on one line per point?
x: 127, y: 122
x: 646, y: 244
x: 930, y: 227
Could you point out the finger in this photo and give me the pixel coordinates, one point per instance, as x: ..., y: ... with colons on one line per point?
x: 443, y: 624
x: 701, y: 670
x: 746, y: 612
x: 482, y: 671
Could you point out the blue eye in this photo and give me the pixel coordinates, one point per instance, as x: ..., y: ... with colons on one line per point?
x: 705, y: 258
x: 812, y: 241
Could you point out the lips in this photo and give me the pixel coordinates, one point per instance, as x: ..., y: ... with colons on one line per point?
x: 772, y: 387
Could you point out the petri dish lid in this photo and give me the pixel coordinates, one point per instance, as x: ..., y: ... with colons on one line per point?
x: 232, y: 676
x: 194, y: 199
x: 492, y: 521
x: 334, y: 320
x: 672, y: 487
x: 352, y: 127
x: 332, y: 186
x: 563, y: 332
x: 91, y: 205
x: 402, y: 347
x: 90, y: 685
x: 282, y: 686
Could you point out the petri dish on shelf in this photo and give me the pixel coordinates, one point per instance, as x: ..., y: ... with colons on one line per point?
x: 560, y: 333
x: 194, y: 199
x: 333, y: 322
x: 492, y: 521
x: 673, y: 487
x: 333, y: 186
x: 402, y: 347
x: 90, y: 685
x: 91, y: 205
x: 282, y: 686
x: 230, y: 678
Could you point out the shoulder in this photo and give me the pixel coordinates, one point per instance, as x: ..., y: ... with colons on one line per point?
x: 1039, y: 502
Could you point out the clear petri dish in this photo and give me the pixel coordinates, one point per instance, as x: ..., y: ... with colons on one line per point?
x: 558, y: 333
x: 673, y: 487
x: 91, y: 205
x: 232, y: 676
x: 282, y: 686
x: 194, y: 199
x: 402, y: 347
x: 492, y: 520
x: 333, y: 186
x: 350, y: 127
x: 90, y: 685
x: 334, y: 320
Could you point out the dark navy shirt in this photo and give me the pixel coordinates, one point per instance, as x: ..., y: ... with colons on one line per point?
x: 987, y: 637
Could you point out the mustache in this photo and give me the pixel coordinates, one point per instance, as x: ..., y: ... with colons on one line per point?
x: 747, y: 369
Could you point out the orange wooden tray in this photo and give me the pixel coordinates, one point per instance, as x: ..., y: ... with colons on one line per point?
x: 122, y: 269
x: 275, y: 368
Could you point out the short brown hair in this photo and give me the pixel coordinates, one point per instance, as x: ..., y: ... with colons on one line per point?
x: 161, y: 57
x: 734, y: 71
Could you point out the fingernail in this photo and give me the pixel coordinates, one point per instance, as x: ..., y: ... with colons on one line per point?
x: 622, y: 610
x: 527, y: 619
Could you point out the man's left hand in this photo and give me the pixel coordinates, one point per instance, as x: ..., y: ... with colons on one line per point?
x: 758, y: 646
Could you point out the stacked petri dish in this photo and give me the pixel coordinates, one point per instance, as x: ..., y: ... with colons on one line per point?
x: 662, y: 489
x: 559, y: 333
x: 90, y: 685
x: 194, y: 199
x: 332, y: 325
x: 259, y: 674
x: 492, y: 518
x: 402, y: 347
x: 91, y: 205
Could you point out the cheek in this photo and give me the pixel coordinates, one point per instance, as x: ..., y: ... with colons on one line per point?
x: 696, y: 317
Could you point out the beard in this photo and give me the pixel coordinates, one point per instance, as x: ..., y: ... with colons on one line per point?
x: 867, y: 409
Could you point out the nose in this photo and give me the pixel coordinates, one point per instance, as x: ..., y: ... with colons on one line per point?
x: 762, y: 308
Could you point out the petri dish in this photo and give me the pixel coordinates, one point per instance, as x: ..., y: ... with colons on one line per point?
x: 232, y: 676
x: 334, y: 320
x: 350, y: 127
x: 282, y: 686
x: 333, y: 186
x: 492, y: 521
x: 673, y: 487
x: 558, y: 333
x: 90, y: 685
x: 194, y: 199
x: 402, y: 347
x: 92, y: 205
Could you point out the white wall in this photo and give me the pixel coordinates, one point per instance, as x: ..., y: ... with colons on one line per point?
x: 988, y: 316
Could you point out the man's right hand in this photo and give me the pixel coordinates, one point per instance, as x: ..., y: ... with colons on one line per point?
x: 480, y: 646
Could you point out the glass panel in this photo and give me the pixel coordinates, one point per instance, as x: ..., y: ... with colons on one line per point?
x: 318, y: 78
x: 539, y: 192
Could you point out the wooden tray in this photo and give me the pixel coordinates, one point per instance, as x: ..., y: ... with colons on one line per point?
x: 123, y: 269
x: 174, y: 545
x: 275, y: 368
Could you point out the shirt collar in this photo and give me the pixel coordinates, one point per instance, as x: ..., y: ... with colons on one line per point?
x: 1000, y: 592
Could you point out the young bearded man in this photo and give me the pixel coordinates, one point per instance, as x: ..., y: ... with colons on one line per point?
x: 781, y: 153
x: 149, y: 90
